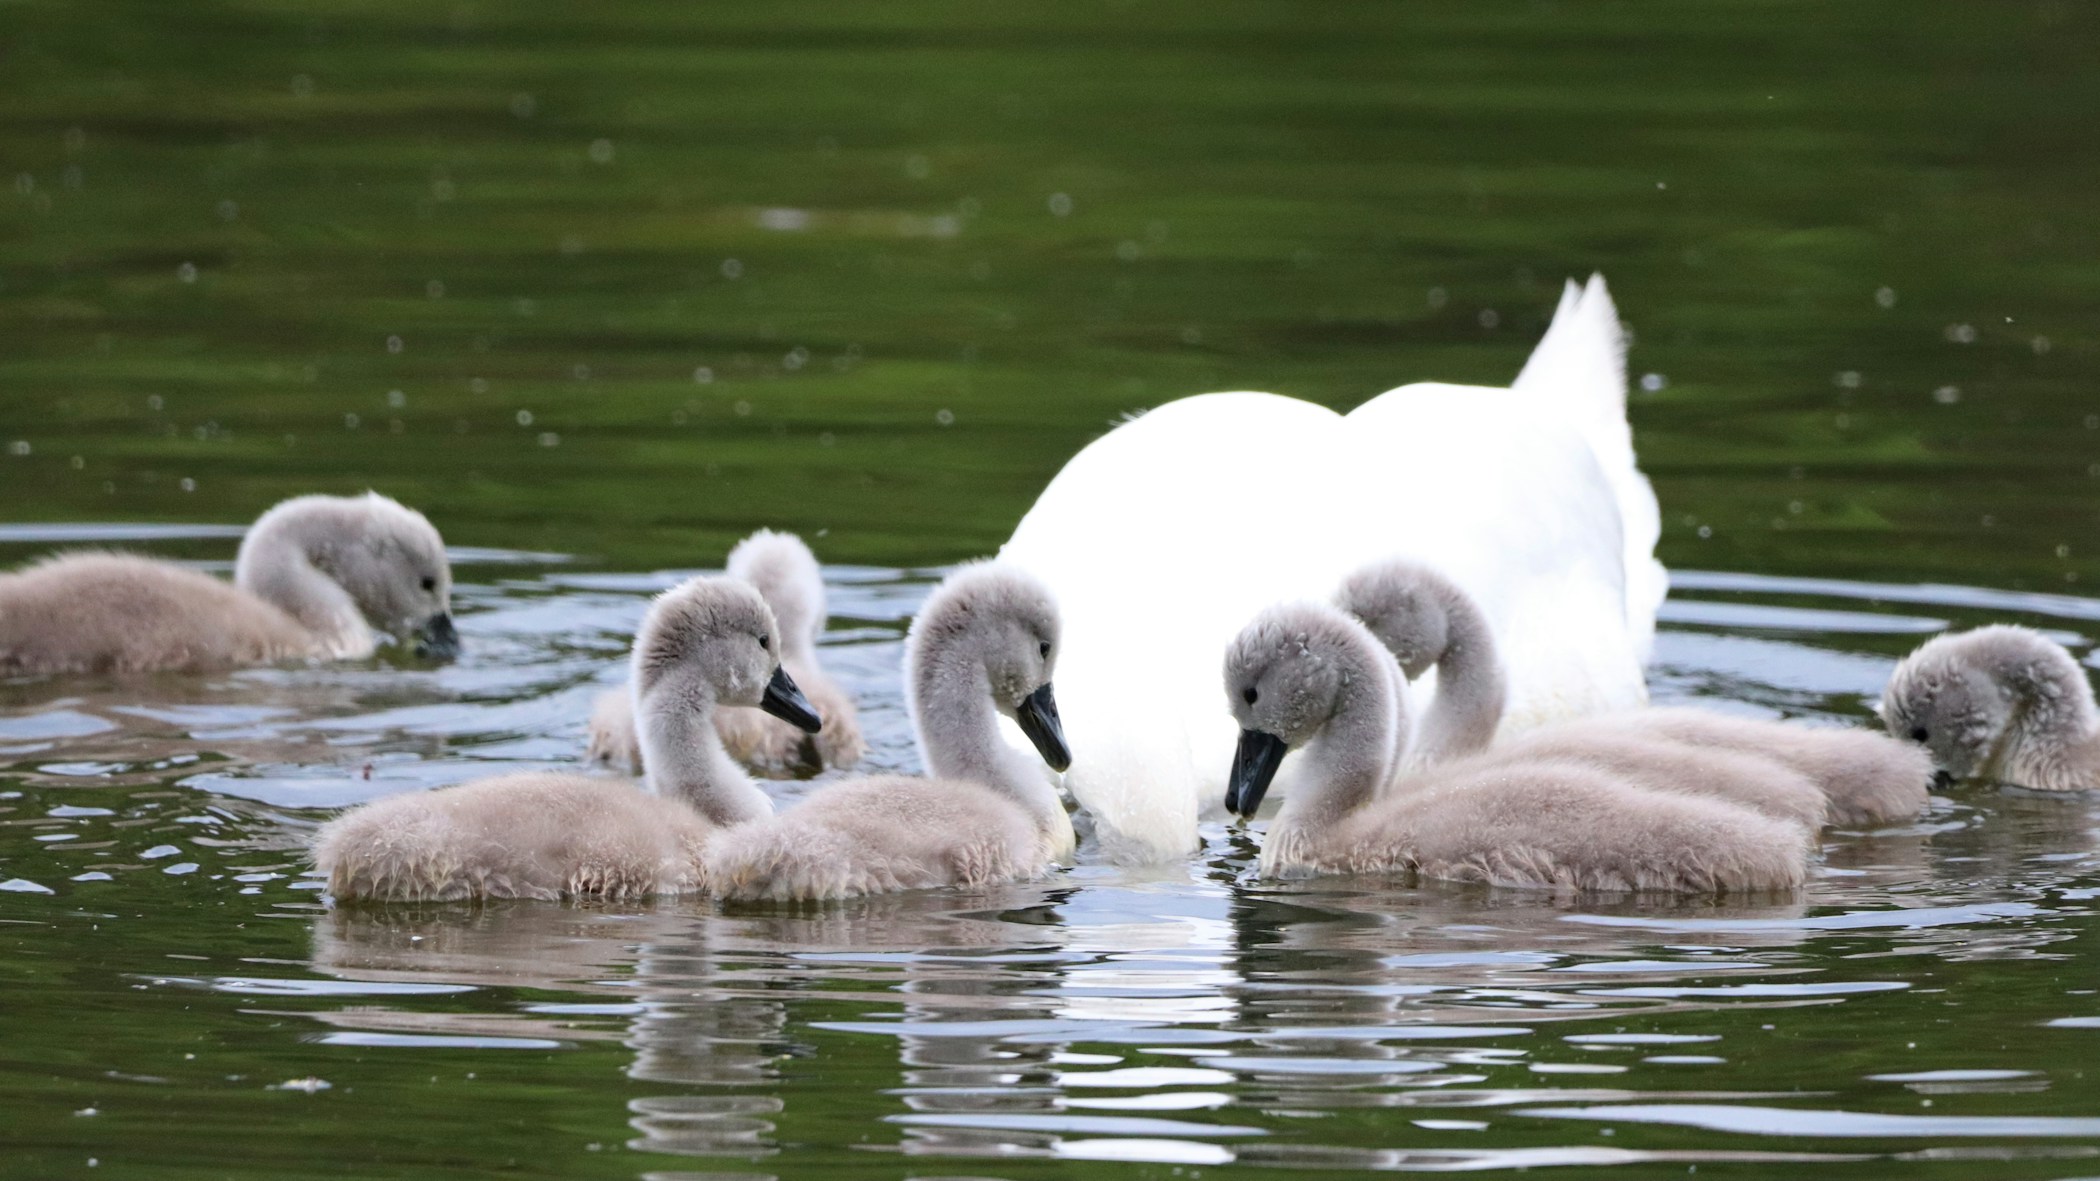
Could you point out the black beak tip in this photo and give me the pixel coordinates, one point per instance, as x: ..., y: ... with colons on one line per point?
x: 437, y: 638
x: 1039, y: 721
x: 1254, y: 765
x: 784, y: 700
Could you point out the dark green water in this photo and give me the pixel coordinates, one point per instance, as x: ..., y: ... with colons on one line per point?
x: 482, y: 256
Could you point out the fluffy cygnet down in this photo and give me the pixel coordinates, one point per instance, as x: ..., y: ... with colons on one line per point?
x: 984, y: 645
x: 786, y: 573
x: 1309, y: 678
x: 707, y: 643
x: 314, y: 576
x: 1811, y: 774
x: 2003, y: 703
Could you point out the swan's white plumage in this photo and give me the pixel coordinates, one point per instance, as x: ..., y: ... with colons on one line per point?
x: 1163, y: 537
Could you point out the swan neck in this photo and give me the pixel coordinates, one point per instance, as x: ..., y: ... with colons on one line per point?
x: 959, y: 738
x: 683, y: 755
x: 2053, y: 738
x: 274, y: 565
x: 1470, y: 690
x: 1347, y: 763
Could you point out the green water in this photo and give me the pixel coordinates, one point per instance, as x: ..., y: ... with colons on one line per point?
x: 622, y: 281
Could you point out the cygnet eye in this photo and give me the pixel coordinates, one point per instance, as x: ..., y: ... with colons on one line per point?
x: 430, y: 584
x: 1919, y: 734
x: 765, y: 643
x: 1249, y: 695
x: 1045, y: 649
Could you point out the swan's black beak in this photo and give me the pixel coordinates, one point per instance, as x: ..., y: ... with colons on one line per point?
x: 1253, y: 766
x: 1038, y: 717
x: 784, y: 701
x: 437, y: 638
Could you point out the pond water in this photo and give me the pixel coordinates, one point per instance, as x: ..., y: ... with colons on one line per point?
x: 602, y: 288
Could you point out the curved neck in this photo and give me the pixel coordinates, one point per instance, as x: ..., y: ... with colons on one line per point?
x: 2053, y: 738
x: 1344, y: 766
x: 273, y: 566
x: 959, y: 738
x: 682, y: 754
x: 1470, y: 689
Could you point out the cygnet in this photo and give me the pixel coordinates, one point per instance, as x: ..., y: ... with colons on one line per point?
x: 2001, y: 702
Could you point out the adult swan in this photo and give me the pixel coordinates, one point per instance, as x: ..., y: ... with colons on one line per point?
x: 1162, y: 538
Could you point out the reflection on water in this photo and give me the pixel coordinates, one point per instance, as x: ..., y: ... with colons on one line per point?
x: 1932, y: 997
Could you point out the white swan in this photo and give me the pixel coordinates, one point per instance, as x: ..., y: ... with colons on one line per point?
x: 984, y: 646
x: 1163, y: 537
x: 787, y: 575
x: 315, y: 575
x: 544, y: 834
x: 1307, y: 677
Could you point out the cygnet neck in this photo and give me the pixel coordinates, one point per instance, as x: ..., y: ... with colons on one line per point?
x: 958, y: 727
x: 1351, y: 758
x: 682, y: 752
x: 1426, y: 621
x: 2053, y: 737
x: 276, y: 565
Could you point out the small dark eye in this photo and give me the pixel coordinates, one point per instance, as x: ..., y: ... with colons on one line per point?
x: 430, y: 584
x: 1919, y: 734
x: 1249, y: 695
x: 765, y: 643
x: 1045, y: 649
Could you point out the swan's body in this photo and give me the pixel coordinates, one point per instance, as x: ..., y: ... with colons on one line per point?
x: 1166, y: 534
x: 1311, y: 677
x: 314, y: 576
x: 787, y: 575
x: 2000, y: 702
x: 1811, y: 775
x: 984, y: 645
x: 551, y: 835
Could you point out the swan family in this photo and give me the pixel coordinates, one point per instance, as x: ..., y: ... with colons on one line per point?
x: 1434, y: 612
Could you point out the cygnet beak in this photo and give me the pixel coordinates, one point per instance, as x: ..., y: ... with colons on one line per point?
x: 786, y: 702
x: 1038, y: 717
x: 1254, y: 764
x: 437, y: 638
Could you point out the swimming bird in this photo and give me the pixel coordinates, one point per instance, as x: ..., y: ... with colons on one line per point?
x: 314, y: 576
x: 2000, y: 702
x: 983, y: 646
x: 1816, y: 775
x: 1306, y: 677
x: 707, y: 643
x: 1164, y: 536
x: 786, y: 573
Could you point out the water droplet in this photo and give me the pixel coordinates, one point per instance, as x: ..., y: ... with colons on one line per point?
x: 827, y: 439
x: 1848, y: 380
x: 2040, y: 345
x: 524, y: 418
x: 18, y: 448
x: 1128, y: 251
x: 78, y: 462
x: 742, y: 408
x: 396, y: 399
x: 944, y: 416
x: 154, y: 402
x: 601, y: 151
x: 1885, y: 296
x: 477, y: 385
x: 228, y: 210
x: 549, y: 439
x: 302, y: 85
x: 1961, y: 333
x: 732, y: 268
x: 1438, y: 297
x: 1947, y: 395
x: 1654, y: 382
x: 1705, y: 532
x: 523, y: 105
x: 435, y: 289
x: 1489, y: 317
x: 395, y: 344
x: 187, y: 272
x: 351, y: 421
x: 2063, y: 550
x: 188, y: 485
x: 581, y: 372
x: 702, y: 375
x: 1060, y: 205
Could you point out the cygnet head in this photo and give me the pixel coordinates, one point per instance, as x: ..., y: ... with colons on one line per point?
x: 385, y: 556
x: 1963, y: 695
x: 714, y: 641
x: 783, y: 569
x: 1288, y: 675
x: 994, y: 622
